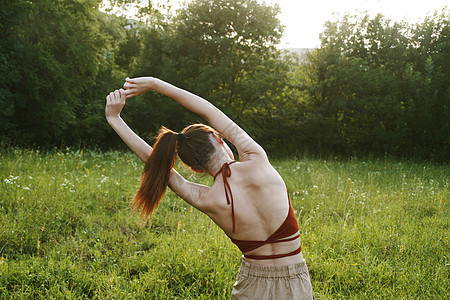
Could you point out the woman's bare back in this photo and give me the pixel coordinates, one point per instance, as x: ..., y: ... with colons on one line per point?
x: 261, y: 205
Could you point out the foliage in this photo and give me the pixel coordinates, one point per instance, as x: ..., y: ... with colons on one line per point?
x: 374, y: 87
x: 222, y: 50
x: 380, y: 87
x: 370, y: 229
x: 55, y: 66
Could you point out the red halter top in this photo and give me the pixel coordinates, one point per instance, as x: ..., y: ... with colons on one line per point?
x: 288, y: 228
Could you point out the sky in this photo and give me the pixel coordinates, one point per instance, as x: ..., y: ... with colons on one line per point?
x: 304, y: 20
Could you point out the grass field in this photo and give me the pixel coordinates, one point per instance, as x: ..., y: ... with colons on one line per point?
x: 375, y: 229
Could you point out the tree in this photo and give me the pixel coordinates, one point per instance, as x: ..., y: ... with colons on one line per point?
x: 56, y: 67
x: 427, y: 87
x: 374, y: 86
x: 222, y: 50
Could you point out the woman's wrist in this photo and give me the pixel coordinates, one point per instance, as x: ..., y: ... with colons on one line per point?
x: 153, y: 84
x: 113, y: 119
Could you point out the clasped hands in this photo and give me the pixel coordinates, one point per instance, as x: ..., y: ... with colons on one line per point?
x: 115, y: 101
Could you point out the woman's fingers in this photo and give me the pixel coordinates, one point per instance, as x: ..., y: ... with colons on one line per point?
x: 123, y: 94
x: 115, y: 96
x: 130, y: 80
x: 114, y: 103
x: 110, y: 96
x: 130, y: 93
x: 129, y: 84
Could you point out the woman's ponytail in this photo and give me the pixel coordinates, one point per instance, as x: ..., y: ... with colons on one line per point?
x: 155, y: 177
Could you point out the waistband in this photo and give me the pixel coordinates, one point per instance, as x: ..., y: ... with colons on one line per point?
x: 251, y: 269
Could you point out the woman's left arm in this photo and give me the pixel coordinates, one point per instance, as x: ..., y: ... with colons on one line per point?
x: 190, y: 192
x: 193, y: 193
x: 115, y: 101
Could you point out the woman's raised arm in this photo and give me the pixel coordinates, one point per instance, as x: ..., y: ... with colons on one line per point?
x: 115, y: 101
x: 188, y: 191
x: 245, y: 145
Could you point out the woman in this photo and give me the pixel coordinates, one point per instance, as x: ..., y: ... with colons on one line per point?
x: 248, y: 199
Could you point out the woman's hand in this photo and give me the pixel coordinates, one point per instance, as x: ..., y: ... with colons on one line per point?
x: 138, y: 86
x: 114, y: 104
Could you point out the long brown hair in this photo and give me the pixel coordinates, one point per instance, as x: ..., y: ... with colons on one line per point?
x: 194, y: 147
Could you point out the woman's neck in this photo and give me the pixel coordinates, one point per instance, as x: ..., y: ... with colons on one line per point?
x: 216, y: 164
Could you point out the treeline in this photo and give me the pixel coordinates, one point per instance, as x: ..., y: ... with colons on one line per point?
x: 379, y: 87
x: 373, y: 87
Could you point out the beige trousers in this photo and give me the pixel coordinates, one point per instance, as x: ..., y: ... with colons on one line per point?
x: 272, y: 282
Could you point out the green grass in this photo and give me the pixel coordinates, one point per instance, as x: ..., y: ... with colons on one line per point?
x: 370, y: 230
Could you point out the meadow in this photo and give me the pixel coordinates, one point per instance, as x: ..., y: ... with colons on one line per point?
x: 370, y: 229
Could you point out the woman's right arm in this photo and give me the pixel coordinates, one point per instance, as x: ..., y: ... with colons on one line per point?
x: 246, y: 146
